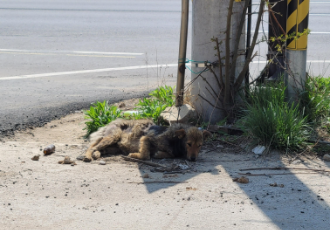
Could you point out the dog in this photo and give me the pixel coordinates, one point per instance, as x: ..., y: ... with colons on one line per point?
x: 142, y: 139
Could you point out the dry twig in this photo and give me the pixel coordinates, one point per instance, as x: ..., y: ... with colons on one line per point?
x: 143, y: 162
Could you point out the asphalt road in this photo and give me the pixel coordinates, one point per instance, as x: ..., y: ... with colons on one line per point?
x: 60, y: 56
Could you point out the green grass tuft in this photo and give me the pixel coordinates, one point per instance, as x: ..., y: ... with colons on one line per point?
x: 159, y: 100
x: 315, y: 99
x: 272, y: 121
x: 100, y: 114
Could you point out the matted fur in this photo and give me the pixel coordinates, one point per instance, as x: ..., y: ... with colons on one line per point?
x: 142, y: 139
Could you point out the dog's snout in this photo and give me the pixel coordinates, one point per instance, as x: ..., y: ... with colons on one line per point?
x: 193, y: 158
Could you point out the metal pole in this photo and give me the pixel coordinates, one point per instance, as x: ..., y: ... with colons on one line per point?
x: 182, y: 53
x: 296, y: 49
x: 248, y: 43
x: 276, y: 27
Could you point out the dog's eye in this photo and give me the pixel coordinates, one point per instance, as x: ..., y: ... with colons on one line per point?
x: 199, y: 146
x: 189, y: 144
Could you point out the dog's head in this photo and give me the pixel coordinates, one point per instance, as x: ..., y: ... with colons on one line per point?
x: 193, y: 140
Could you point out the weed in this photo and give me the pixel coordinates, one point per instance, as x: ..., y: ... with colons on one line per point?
x: 160, y: 99
x: 271, y: 120
x: 100, y: 114
x: 315, y: 99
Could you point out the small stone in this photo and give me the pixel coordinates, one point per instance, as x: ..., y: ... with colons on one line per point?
x: 326, y: 157
x: 296, y: 162
x: 173, y: 114
x: 35, y: 158
x: 258, y: 150
x: 146, y: 175
x: 242, y: 179
x: 102, y: 163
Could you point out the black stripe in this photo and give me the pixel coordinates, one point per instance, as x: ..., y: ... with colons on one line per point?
x: 300, y: 1
x: 292, y: 7
x: 303, y: 24
x: 291, y: 32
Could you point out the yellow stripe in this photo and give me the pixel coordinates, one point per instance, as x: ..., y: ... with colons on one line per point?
x: 291, y: 21
x: 303, y: 10
x: 292, y: 45
x: 289, y: 1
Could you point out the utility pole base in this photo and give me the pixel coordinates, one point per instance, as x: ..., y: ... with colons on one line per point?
x: 295, y: 76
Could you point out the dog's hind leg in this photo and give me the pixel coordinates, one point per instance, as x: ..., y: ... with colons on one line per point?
x: 90, y: 150
x: 144, y: 150
x: 100, y: 144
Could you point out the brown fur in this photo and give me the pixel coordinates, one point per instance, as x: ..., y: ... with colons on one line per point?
x: 142, y: 139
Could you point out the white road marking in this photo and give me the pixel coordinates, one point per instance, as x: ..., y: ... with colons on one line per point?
x: 312, y: 32
x: 308, y: 61
x: 86, y: 71
x: 77, y: 52
x: 117, y: 69
x: 106, y: 53
x: 74, y: 55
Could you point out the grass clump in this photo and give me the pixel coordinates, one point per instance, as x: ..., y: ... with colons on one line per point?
x: 272, y: 121
x: 315, y: 99
x: 159, y: 100
x: 100, y: 114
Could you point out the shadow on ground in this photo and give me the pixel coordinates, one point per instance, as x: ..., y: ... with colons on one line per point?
x: 303, y: 202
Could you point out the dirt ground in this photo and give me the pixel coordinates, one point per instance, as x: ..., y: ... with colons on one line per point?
x: 125, y: 195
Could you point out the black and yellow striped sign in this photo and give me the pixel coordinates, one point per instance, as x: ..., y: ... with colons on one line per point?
x: 297, y: 22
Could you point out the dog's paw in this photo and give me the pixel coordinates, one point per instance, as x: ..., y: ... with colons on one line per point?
x: 132, y: 155
x: 86, y: 159
x: 96, y: 155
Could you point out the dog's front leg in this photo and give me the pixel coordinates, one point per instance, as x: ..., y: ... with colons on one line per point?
x: 144, y: 150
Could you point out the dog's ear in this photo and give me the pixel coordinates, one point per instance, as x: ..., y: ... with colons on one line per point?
x: 206, y: 134
x: 180, y: 133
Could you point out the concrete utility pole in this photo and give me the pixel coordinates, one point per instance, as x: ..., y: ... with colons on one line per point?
x: 296, y: 49
x: 209, y: 18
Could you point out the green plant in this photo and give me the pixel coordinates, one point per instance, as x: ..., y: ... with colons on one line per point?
x: 160, y: 99
x: 315, y: 99
x: 272, y: 121
x: 100, y: 114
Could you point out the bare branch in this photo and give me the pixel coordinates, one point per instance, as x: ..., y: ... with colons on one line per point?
x: 238, y: 38
x: 215, y: 76
x: 227, y: 77
x: 220, y: 63
x: 215, y: 94
x: 241, y: 76
x: 210, y: 102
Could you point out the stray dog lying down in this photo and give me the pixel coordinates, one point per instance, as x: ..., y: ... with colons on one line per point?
x: 142, y: 139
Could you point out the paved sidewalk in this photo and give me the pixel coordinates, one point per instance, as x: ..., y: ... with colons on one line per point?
x: 46, y: 195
